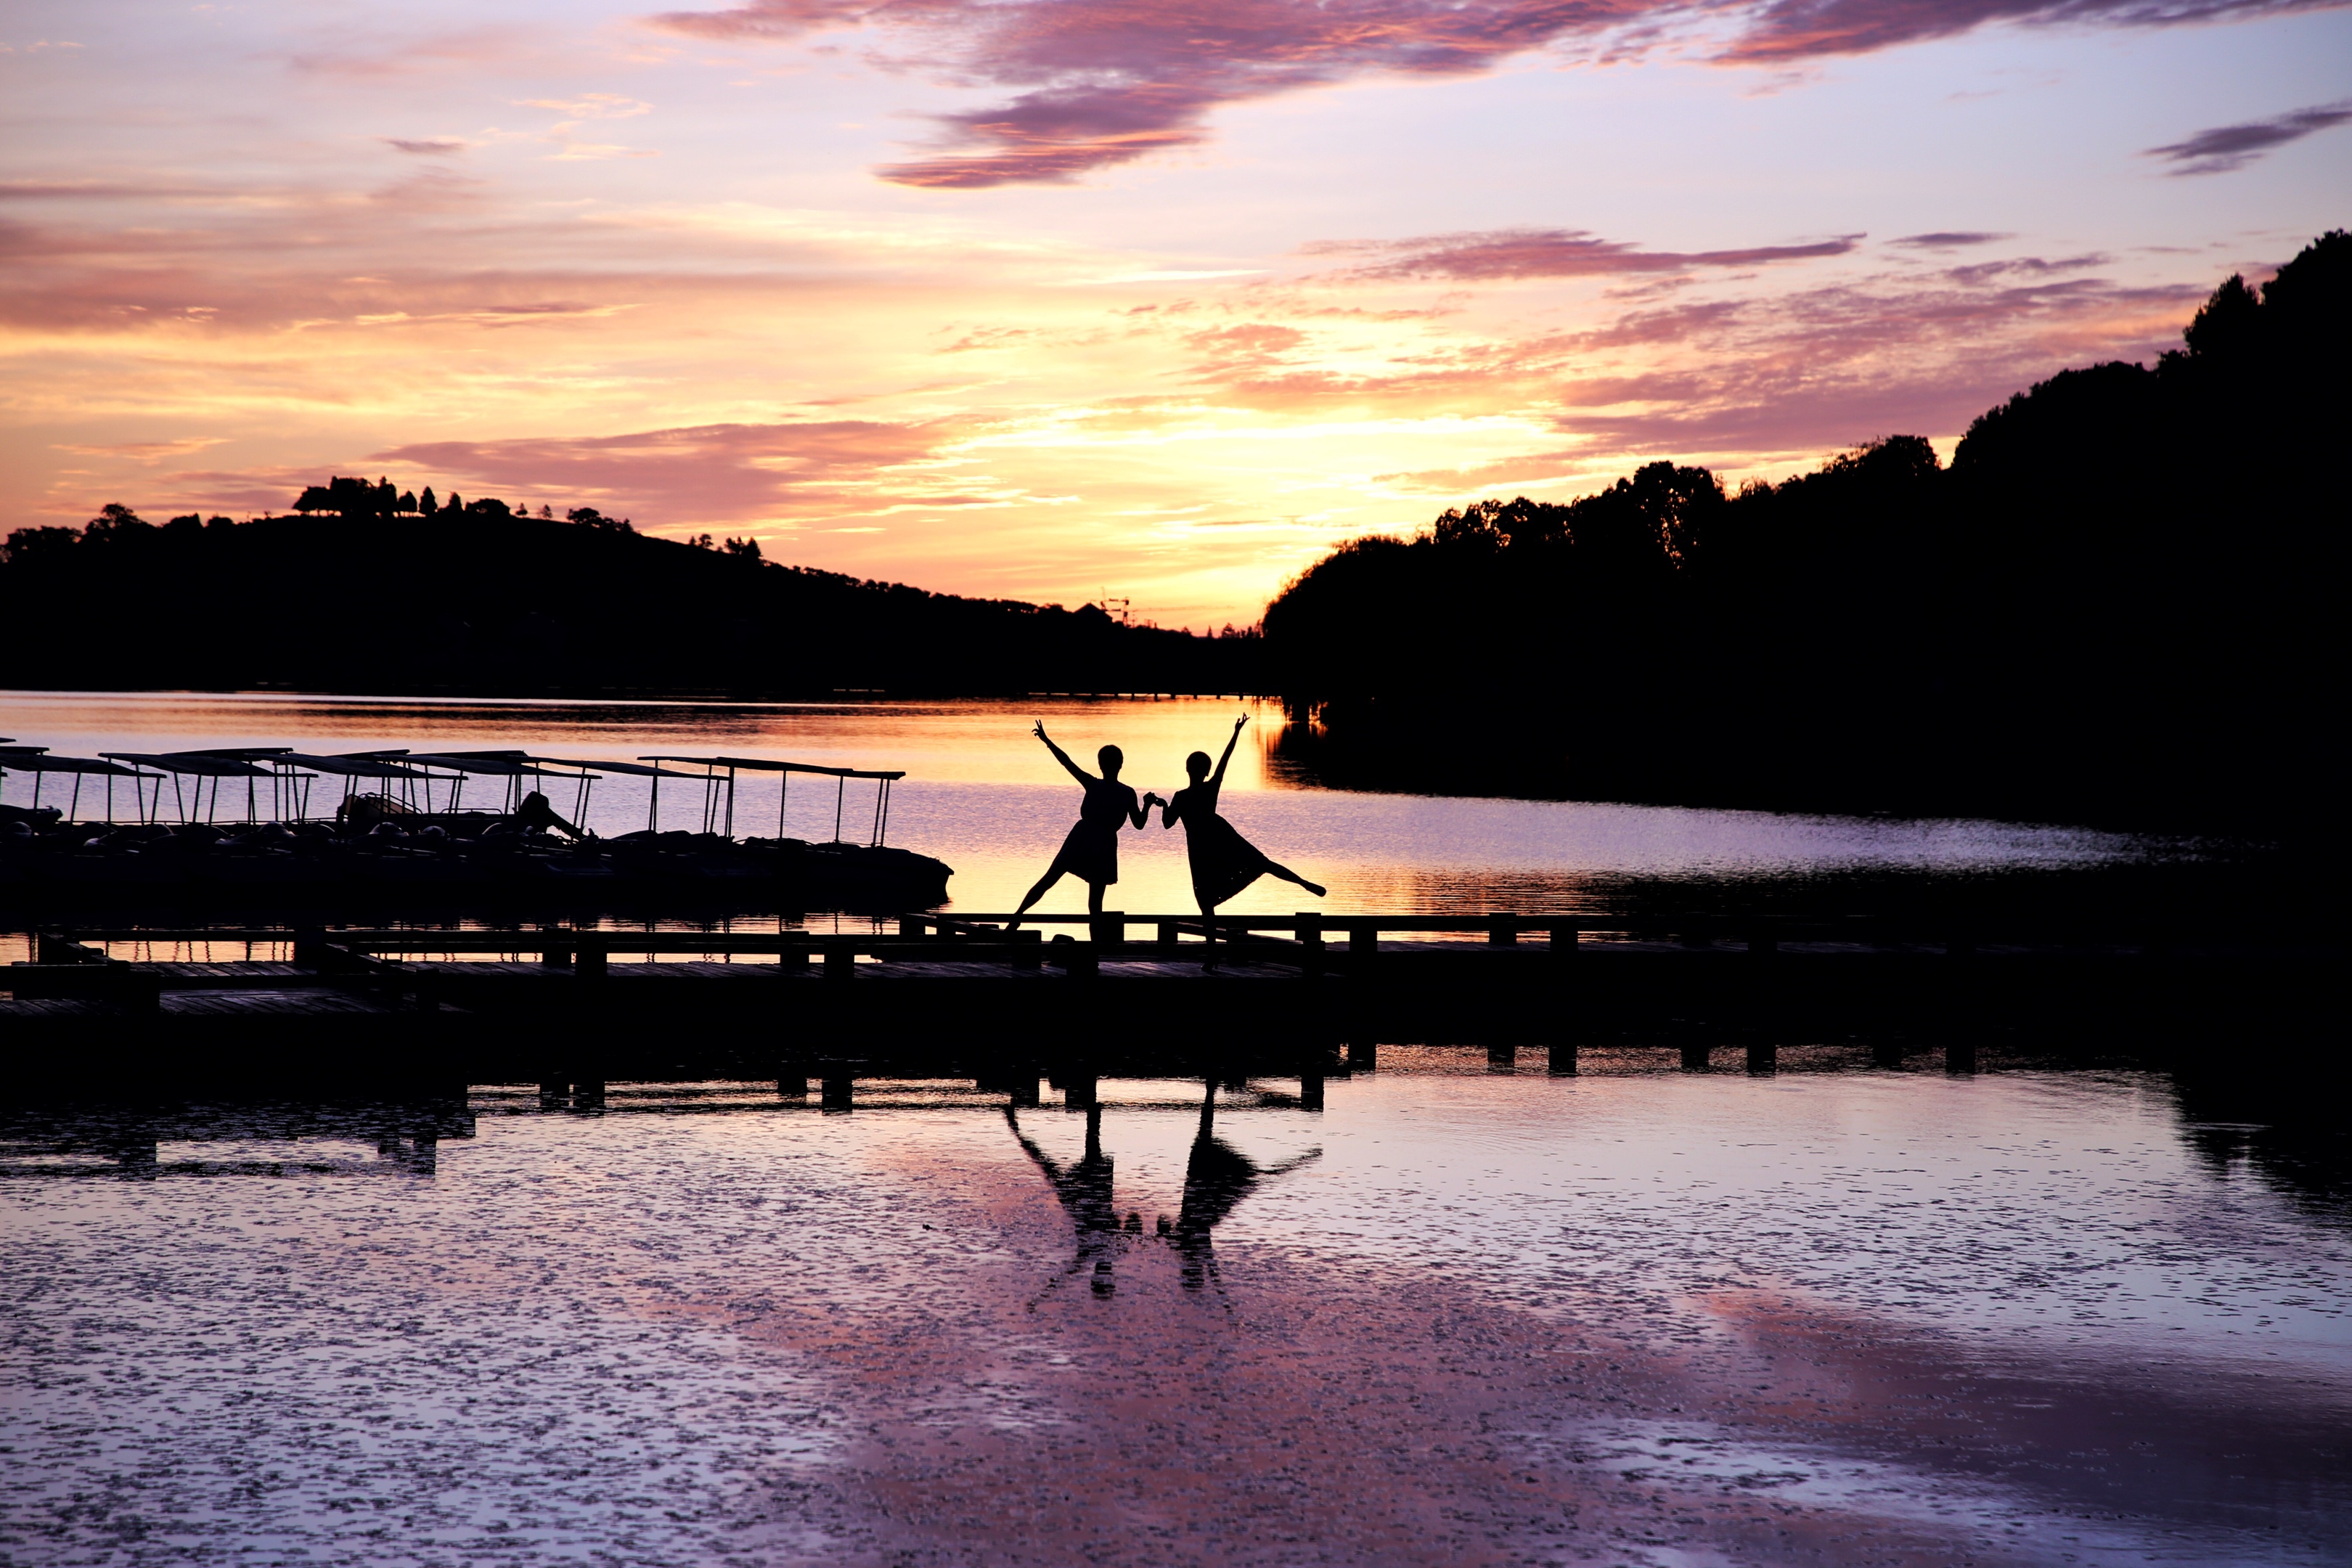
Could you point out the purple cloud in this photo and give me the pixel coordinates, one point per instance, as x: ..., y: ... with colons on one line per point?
x: 1789, y: 30
x: 1947, y: 240
x: 1096, y: 83
x: 1547, y: 253
x: 2227, y: 147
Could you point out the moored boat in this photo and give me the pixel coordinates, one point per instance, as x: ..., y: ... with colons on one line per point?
x: 400, y: 829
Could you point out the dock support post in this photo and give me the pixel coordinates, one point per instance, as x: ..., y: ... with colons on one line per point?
x: 1502, y: 1059
x: 837, y: 1096
x: 1503, y: 931
x: 1310, y: 1090
x: 310, y: 947
x: 588, y: 1094
x: 1107, y: 929
x: 1763, y: 1056
x: 1695, y: 1057
x: 1165, y: 938
x: 1308, y: 930
x: 1363, y: 1056
x: 1563, y: 939
x: 1363, y: 947
x: 1563, y: 1060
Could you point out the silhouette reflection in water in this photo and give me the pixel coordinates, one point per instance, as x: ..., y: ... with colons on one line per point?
x: 1217, y: 1177
x: 1223, y: 862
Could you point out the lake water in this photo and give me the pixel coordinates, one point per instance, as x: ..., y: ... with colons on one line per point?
x: 2041, y: 1313
x: 983, y: 796
x: 1457, y: 1316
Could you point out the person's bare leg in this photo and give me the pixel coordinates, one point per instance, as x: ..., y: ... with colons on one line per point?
x: 1287, y: 875
x: 1095, y: 897
x: 1209, y: 928
x: 1044, y: 884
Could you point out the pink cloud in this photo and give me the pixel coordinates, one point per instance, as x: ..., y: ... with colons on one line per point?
x: 1097, y: 83
x: 1547, y: 253
x: 711, y: 473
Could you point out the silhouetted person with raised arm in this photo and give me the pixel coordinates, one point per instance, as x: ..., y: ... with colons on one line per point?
x: 1216, y: 1177
x: 1222, y: 861
x: 1085, y: 1190
x: 1090, y: 851
x: 534, y: 812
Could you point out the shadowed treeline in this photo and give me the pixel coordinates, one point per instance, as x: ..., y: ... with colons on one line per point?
x: 391, y: 594
x: 2117, y: 602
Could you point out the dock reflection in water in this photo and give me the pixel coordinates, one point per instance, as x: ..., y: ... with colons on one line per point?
x: 1631, y: 1316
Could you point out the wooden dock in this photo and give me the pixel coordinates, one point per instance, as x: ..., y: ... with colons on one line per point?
x: 1294, y: 994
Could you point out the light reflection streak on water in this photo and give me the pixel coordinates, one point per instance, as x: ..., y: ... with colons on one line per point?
x: 1931, y: 1317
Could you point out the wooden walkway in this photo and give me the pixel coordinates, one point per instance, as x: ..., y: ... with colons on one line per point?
x: 1289, y: 993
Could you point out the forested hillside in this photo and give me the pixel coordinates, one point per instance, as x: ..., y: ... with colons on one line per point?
x: 2120, y: 602
x: 471, y: 599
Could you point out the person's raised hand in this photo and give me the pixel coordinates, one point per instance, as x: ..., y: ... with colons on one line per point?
x: 1040, y: 730
x: 1239, y: 722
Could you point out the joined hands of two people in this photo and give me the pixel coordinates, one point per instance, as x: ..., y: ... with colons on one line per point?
x: 1150, y: 798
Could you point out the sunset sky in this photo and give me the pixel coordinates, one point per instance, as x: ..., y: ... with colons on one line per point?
x: 1048, y: 298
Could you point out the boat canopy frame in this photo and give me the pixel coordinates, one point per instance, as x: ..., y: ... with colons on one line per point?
x: 37, y: 761
x: 712, y: 818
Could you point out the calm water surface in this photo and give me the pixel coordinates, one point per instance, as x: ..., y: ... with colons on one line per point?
x: 1458, y: 1316
x: 984, y: 797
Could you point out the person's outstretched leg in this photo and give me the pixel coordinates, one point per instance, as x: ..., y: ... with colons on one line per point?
x: 1044, y: 884
x: 1287, y: 875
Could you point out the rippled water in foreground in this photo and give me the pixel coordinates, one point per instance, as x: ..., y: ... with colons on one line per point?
x: 1457, y: 1316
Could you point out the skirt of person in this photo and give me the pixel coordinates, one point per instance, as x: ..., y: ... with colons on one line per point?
x: 1089, y: 853
x: 1222, y: 861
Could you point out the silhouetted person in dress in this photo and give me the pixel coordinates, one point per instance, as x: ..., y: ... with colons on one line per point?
x: 1222, y: 861
x: 1090, y: 851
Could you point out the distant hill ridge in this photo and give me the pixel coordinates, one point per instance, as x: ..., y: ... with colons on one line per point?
x: 475, y: 599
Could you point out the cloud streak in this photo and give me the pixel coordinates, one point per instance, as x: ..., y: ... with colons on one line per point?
x: 1505, y: 254
x: 2226, y: 147
x: 1097, y: 83
x: 711, y: 471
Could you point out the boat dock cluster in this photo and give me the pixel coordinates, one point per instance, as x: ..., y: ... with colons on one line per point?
x: 156, y: 821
